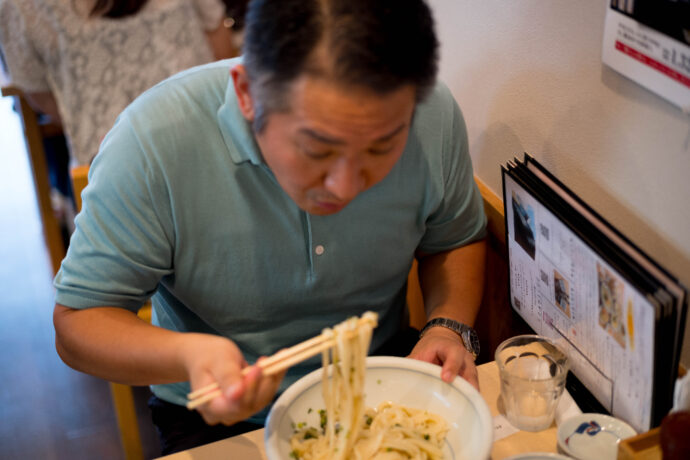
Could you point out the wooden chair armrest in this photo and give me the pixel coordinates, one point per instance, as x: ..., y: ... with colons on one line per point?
x: 10, y: 90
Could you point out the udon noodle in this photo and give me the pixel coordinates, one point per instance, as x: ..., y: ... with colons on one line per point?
x: 348, y: 430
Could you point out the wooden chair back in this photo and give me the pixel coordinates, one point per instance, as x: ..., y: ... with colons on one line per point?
x: 33, y: 137
x: 122, y: 395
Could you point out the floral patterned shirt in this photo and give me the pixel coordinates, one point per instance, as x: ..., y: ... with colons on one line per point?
x: 96, y: 66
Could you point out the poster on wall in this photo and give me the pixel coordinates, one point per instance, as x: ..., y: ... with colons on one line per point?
x: 648, y: 41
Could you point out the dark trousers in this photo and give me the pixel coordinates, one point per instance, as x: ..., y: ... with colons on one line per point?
x: 180, y: 429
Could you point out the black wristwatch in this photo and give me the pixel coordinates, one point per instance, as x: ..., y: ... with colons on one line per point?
x: 467, y: 334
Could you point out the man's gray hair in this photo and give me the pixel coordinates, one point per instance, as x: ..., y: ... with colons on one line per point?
x: 379, y: 45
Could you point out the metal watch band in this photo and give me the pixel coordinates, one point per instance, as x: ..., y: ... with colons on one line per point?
x: 466, y: 333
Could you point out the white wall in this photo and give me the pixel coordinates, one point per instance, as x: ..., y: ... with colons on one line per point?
x: 529, y: 78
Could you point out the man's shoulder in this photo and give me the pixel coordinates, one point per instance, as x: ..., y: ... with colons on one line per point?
x: 438, y: 99
x: 175, y: 117
x: 199, y: 88
x: 438, y: 115
x: 182, y: 106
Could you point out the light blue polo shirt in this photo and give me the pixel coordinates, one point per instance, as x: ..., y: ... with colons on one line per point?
x: 180, y: 206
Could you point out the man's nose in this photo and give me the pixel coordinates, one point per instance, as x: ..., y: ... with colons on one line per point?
x: 345, y: 179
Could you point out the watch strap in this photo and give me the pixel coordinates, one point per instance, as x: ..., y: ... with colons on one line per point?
x: 466, y: 333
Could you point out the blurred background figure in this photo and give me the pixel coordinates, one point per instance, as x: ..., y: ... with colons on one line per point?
x: 235, y: 11
x: 79, y: 63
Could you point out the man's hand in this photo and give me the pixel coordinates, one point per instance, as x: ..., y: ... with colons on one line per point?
x: 444, y: 347
x: 210, y: 359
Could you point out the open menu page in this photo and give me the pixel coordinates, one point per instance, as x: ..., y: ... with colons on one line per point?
x: 565, y: 291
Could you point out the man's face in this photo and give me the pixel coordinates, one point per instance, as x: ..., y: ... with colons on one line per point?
x: 334, y: 142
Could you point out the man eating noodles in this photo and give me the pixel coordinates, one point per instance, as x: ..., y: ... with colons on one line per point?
x: 259, y: 200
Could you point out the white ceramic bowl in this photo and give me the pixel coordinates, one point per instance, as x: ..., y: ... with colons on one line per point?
x: 404, y: 381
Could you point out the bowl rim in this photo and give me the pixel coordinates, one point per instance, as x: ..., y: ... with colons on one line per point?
x: 538, y: 455
x: 433, y: 370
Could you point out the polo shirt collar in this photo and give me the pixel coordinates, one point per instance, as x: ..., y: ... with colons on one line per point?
x: 237, y: 131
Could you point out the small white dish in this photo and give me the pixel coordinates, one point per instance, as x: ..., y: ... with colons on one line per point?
x: 588, y: 436
x: 538, y: 456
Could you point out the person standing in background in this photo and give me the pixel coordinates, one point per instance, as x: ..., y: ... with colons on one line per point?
x: 81, y: 62
x: 235, y: 11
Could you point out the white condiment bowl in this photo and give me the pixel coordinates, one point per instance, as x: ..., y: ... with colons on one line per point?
x: 588, y: 436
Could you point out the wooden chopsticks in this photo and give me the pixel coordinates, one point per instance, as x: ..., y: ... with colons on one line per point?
x: 282, y: 360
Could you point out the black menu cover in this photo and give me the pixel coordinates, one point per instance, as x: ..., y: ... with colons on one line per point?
x: 575, y: 278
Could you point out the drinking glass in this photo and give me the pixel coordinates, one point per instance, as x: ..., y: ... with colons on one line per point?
x: 532, y: 371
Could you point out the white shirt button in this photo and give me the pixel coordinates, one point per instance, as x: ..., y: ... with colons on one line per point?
x: 319, y: 250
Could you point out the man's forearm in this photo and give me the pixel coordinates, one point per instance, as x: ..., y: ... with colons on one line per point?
x: 114, y: 344
x: 452, y: 282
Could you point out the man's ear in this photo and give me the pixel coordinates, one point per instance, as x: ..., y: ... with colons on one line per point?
x: 240, y: 80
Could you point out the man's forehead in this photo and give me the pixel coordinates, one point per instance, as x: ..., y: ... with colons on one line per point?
x: 327, y: 139
x: 324, y: 111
